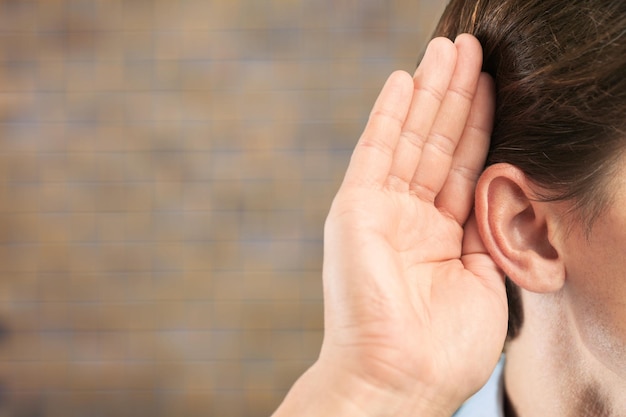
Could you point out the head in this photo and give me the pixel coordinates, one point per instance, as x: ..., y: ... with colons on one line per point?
x: 549, y: 203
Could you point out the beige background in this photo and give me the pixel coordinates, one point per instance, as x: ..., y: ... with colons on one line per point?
x: 165, y: 171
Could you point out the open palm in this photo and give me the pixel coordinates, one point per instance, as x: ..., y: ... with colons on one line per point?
x: 413, y: 301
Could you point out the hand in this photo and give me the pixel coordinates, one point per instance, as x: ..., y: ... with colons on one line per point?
x: 415, y: 308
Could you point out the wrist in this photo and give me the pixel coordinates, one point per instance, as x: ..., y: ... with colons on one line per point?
x: 328, y: 391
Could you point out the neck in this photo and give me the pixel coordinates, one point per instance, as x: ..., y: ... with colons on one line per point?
x: 549, y: 372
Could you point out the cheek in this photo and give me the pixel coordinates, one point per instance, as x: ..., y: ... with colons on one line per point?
x: 595, y: 290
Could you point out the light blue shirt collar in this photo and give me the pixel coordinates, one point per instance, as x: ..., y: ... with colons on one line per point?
x: 489, y: 401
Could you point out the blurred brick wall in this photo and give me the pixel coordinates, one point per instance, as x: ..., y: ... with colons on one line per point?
x: 165, y: 170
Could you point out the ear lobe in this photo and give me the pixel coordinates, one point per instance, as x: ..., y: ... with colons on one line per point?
x: 516, y: 229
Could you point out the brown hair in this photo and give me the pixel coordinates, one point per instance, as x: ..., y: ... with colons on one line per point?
x: 560, y: 74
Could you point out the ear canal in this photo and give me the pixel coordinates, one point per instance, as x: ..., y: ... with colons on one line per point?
x: 515, y: 229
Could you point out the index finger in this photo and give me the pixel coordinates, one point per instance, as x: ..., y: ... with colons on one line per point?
x: 372, y: 157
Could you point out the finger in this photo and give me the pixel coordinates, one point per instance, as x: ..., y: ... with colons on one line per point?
x: 475, y: 256
x: 371, y: 159
x: 449, y: 124
x: 431, y: 80
x: 457, y: 195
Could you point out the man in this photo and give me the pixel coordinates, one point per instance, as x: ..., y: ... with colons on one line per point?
x: 421, y: 236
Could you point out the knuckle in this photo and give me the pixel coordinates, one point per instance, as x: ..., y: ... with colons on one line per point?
x: 478, y: 129
x: 377, y: 144
x: 466, y: 173
x: 462, y: 92
x: 413, y: 138
x: 431, y: 91
x: 384, y: 114
x: 422, y: 192
x: 397, y: 184
x: 442, y: 143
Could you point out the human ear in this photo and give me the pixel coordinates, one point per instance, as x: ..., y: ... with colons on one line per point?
x: 518, y: 230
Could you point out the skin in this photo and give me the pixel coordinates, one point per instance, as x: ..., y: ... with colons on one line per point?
x: 577, y: 359
x: 408, y: 284
x: 413, y: 277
